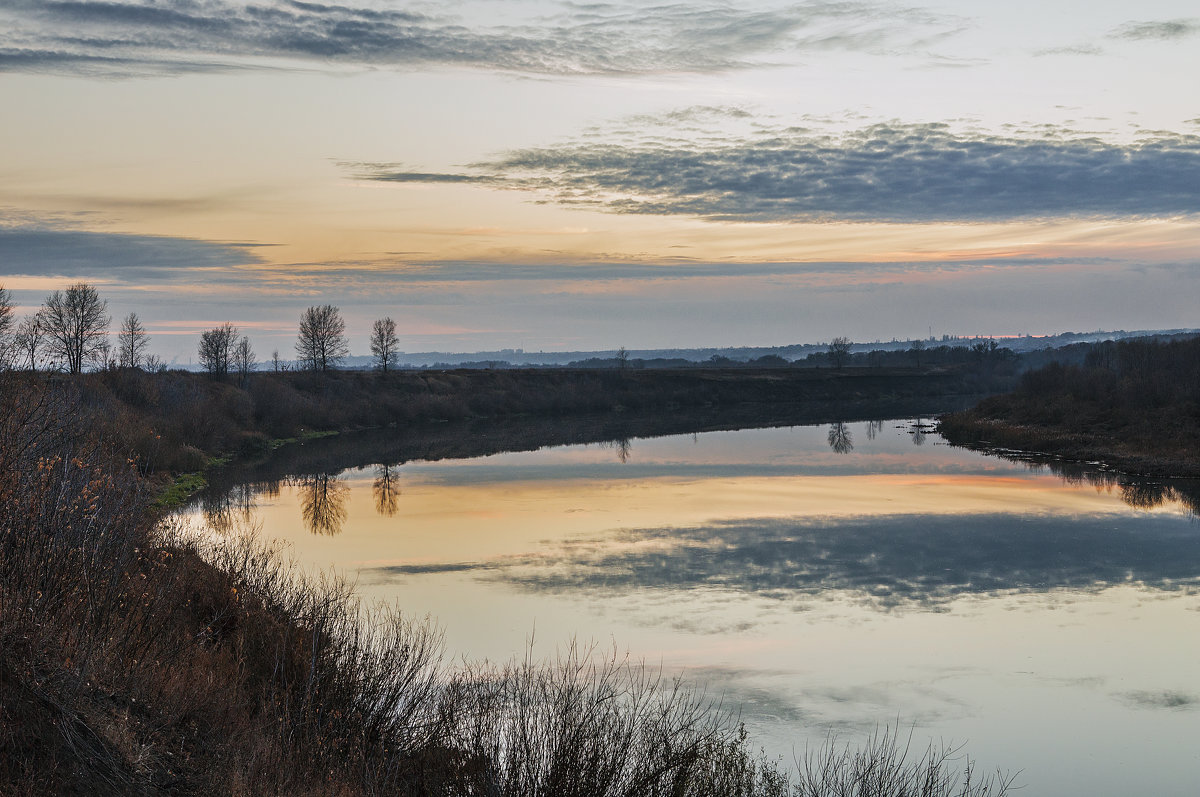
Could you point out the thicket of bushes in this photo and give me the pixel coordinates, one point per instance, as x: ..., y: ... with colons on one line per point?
x: 135, y: 659
x: 1135, y: 403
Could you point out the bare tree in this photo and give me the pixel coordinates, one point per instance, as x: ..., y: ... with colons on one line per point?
x: 622, y: 358
x: 384, y: 343
x: 76, y: 326
x: 106, y: 356
x: 216, y: 348
x: 7, y: 328
x: 839, y: 350
x: 27, y: 341
x: 132, y: 341
x: 322, y: 341
x: 243, y: 358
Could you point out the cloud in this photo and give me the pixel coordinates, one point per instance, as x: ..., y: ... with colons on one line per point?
x: 51, y: 251
x: 882, y: 173
x: 41, y: 246
x: 843, y: 273
x: 1078, y: 49
x: 129, y: 37
x: 1162, y: 30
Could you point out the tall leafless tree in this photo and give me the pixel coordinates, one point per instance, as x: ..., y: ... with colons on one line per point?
x: 243, y: 358
x: 28, y: 339
x: 322, y: 342
x: 132, y: 341
x: 76, y: 326
x: 216, y: 349
x: 8, y: 347
x: 839, y: 351
x: 384, y: 343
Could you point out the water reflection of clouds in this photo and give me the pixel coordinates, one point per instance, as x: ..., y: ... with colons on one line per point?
x: 1166, y: 699
x: 767, y: 696
x: 884, y: 562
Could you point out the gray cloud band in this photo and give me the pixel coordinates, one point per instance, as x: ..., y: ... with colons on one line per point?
x: 123, y: 38
x: 884, y: 173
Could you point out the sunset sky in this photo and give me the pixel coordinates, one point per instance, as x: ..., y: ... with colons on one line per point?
x: 576, y: 175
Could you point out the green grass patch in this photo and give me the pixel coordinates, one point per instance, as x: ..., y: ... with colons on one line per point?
x: 177, y: 493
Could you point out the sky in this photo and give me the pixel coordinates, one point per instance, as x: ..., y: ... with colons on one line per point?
x: 586, y: 175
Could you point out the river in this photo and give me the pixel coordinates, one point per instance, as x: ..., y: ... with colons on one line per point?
x: 826, y: 580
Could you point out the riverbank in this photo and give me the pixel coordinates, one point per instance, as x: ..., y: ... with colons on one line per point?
x: 1135, y: 407
x: 986, y: 429
x: 178, y: 425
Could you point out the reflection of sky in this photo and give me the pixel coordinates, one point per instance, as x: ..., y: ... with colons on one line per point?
x: 914, y: 560
x: 1044, y: 621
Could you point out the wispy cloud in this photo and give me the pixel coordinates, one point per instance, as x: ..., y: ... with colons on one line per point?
x: 122, y: 38
x: 51, y: 247
x: 1078, y: 49
x: 1160, y: 30
x: 884, y: 172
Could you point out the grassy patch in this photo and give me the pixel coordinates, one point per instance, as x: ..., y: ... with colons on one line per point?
x: 177, y: 493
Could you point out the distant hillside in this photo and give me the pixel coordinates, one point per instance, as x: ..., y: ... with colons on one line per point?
x: 741, y: 354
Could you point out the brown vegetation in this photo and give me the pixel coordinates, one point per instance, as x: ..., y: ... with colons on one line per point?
x: 1134, y: 404
x: 170, y: 421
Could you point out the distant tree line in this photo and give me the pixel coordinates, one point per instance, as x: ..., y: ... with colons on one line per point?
x: 70, y: 332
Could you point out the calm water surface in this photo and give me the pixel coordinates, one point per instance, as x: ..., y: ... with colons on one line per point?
x: 825, y: 578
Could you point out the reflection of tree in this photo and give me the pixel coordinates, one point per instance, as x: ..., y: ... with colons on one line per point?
x: 386, y: 489
x: 622, y: 446
x: 1143, y: 495
x: 323, y: 503
x: 873, y: 429
x: 223, y: 511
x: 1139, y: 493
x: 918, y: 432
x: 839, y: 438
